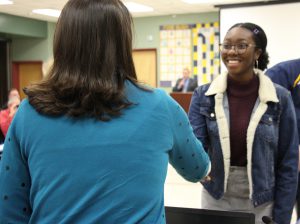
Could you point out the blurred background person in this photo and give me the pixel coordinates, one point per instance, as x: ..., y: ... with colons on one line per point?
x: 248, y: 126
x: 90, y: 144
x: 13, y: 93
x: 287, y: 74
x: 7, y: 114
x: 185, y: 84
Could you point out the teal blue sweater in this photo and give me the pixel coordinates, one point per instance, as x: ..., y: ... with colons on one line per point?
x: 65, y: 170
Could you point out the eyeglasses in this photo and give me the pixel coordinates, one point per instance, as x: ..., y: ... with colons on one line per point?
x: 239, y: 48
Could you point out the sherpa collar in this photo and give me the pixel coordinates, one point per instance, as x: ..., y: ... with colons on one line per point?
x: 266, y: 91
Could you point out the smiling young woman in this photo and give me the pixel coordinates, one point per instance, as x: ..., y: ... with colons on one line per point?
x: 248, y: 126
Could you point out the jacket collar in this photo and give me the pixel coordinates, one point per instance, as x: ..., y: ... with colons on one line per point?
x: 266, y: 90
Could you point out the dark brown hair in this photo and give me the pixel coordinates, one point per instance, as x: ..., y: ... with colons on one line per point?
x: 92, y: 60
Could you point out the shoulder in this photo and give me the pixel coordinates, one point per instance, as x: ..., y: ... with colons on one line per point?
x: 283, y: 94
x: 201, y: 90
x: 25, y: 106
x: 170, y: 105
x: 25, y: 112
x: 292, y: 66
x: 155, y: 94
x: 151, y: 97
x: 280, y: 90
x: 165, y: 97
x: 199, y: 98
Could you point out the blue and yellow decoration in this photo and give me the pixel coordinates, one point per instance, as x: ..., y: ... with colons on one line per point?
x: 206, y: 58
x: 192, y: 45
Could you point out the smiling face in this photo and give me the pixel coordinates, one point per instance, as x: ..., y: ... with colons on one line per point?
x: 240, y: 66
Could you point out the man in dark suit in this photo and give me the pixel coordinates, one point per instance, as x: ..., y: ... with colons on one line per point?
x: 185, y: 84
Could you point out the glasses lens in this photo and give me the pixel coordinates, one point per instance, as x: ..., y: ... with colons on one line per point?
x: 239, y: 48
x: 225, y: 47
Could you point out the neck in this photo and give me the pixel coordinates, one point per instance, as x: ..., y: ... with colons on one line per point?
x: 244, y: 77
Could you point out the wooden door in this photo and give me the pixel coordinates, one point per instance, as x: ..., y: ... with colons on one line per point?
x: 145, y: 66
x: 26, y: 73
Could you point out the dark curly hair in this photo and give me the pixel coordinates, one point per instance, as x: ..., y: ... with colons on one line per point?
x: 92, y: 60
x: 260, y: 40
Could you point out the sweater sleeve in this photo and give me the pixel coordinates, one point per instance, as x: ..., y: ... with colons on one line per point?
x: 187, y: 155
x: 14, y: 180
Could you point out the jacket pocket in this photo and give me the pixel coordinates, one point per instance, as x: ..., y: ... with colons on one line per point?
x: 211, y: 122
x: 267, y: 128
x: 267, y: 143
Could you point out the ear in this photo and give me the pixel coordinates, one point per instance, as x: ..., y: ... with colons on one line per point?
x: 258, y: 52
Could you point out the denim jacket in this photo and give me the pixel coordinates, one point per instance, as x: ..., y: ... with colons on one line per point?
x: 272, y: 143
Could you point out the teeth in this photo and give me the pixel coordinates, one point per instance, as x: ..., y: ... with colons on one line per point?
x: 233, y: 61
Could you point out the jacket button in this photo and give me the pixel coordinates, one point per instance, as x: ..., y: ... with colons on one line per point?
x: 212, y: 115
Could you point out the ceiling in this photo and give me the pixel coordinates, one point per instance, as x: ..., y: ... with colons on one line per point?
x: 161, y: 7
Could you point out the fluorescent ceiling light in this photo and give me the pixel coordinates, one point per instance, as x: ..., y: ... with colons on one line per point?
x: 135, y: 7
x: 47, y: 12
x: 201, y: 1
x: 6, y: 2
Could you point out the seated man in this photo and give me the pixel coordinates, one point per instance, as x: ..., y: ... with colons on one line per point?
x: 185, y: 84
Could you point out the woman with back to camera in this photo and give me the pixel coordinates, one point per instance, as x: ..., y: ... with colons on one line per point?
x: 91, y: 145
x: 248, y: 126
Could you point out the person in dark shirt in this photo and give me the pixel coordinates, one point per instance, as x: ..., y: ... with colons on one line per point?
x: 185, y: 84
x: 287, y: 74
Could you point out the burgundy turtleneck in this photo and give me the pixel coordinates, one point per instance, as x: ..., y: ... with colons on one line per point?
x: 241, y: 98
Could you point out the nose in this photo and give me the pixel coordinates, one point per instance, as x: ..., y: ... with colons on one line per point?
x: 232, y: 49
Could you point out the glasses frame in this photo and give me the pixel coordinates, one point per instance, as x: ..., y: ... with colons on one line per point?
x: 235, y: 48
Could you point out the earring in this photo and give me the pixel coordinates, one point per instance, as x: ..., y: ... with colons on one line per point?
x: 256, y: 64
